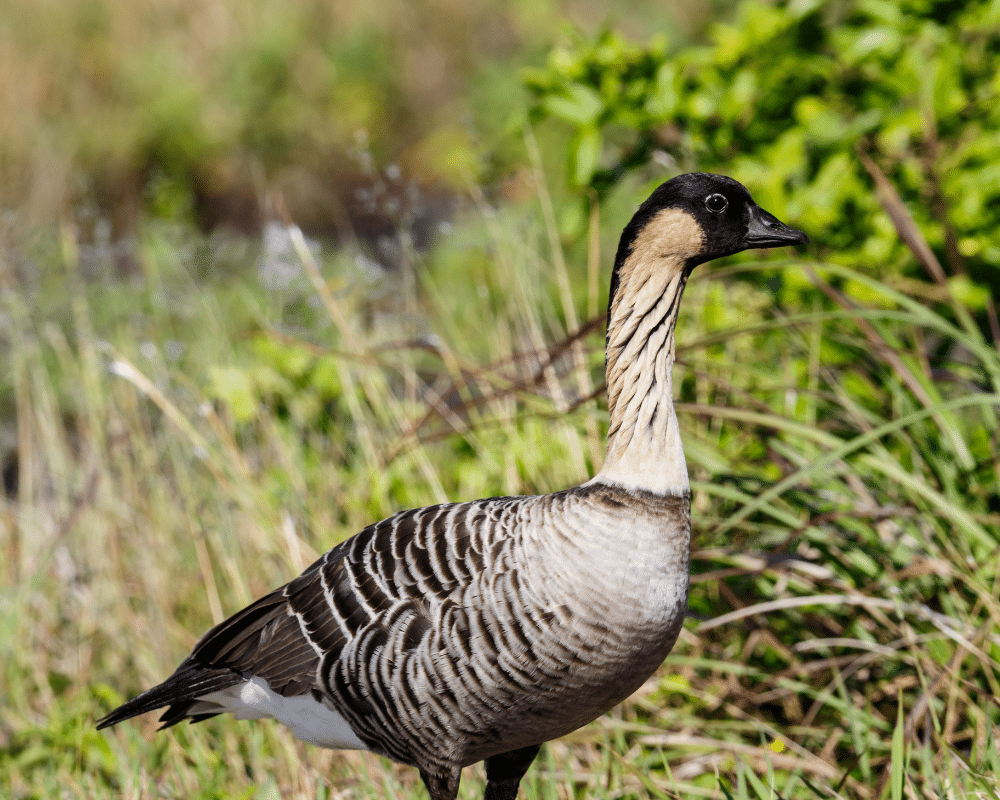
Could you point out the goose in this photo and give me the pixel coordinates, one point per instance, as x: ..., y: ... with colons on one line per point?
x: 466, y: 632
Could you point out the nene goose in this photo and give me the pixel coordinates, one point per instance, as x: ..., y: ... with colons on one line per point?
x: 464, y: 632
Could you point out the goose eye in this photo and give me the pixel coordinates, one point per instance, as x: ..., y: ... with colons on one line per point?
x: 716, y: 203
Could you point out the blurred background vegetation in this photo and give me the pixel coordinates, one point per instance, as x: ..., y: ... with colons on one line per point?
x: 271, y: 271
x: 198, y: 110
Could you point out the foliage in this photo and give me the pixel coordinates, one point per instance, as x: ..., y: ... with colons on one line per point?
x: 190, y: 440
x: 112, y: 107
x: 872, y: 453
x: 845, y: 506
x: 873, y: 506
x: 787, y: 96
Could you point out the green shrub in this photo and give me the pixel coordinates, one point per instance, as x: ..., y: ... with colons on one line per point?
x: 786, y: 98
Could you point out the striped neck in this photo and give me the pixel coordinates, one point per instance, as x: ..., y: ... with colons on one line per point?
x: 644, y: 443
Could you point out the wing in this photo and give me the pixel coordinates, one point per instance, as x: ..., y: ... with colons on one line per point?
x: 375, y: 588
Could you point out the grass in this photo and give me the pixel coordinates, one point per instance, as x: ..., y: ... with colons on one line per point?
x: 188, y: 441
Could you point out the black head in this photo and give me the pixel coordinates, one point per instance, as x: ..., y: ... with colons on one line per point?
x: 695, y: 218
x: 727, y: 218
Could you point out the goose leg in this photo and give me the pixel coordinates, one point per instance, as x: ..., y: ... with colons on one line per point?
x: 504, y: 772
x: 441, y: 787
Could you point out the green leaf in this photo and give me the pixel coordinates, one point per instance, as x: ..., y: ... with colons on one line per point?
x: 580, y: 105
x: 897, y: 767
x: 585, y: 154
x: 970, y: 294
x: 665, y: 95
x: 232, y: 386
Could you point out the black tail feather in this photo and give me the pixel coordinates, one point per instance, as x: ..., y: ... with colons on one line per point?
x: 264, y: 640
x: 186, y: 685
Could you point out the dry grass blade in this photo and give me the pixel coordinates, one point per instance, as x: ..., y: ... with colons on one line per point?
x: 520, y: 373
x: 944, y: 623
x: 893, y: 358
x: 911, y: 235
x: 902, y: 220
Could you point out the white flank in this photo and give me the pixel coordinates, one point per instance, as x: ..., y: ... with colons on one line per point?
x: 307, y: 719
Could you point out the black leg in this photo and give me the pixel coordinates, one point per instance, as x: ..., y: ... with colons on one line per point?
x: 504, y: 772
x: 441, y: 787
